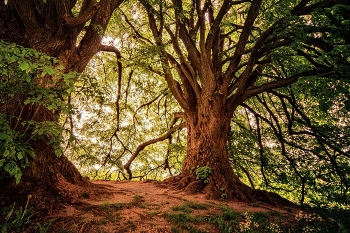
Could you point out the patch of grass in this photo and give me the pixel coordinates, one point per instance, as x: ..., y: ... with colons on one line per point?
x: 218, y: 221
x: 151, y: 214
x: 175, y: 229
x: 137, y: 200
x: 184, y: 222
x: 119, y: 206
x: 262, y: 218
x: 43, y: 228
x: 196, y: 205
x: 13, y: 219
x: 229, y: 214
x: 151, y: 206
x: 179, y: 217
x: 106, y: 205
x: 182, y: 208
x: 113, y: 217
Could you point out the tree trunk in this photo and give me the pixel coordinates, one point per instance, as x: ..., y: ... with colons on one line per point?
x: 51, y: 28
x: 49, y: 178
x: 207, y: 137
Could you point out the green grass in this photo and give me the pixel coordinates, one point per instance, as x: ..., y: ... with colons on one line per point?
x: 196, y: 205
x: 182, y: 208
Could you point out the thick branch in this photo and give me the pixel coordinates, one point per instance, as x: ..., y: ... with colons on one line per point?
x: 109, y: 48
x: 253, y: 91
x: 243, y: 39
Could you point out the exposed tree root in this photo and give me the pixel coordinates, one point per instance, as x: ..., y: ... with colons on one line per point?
x: 48, y: 182
x: 234, y: 190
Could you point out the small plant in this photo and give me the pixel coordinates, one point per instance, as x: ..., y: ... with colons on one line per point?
x: 203, y: 173
x: 15, y: 220
x: 119, y: 206
x: 45, y: 227
x: 105, y: 205
x: 138, y: 199
x: 223, y: 193
x: 229, y: 214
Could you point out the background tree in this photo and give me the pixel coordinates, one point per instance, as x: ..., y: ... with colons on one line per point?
x: 217, y: 55
x: 300, y: 146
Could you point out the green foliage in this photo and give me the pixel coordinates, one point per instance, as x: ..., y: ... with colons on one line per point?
x: 15, y: 153
x: 15, y: 219
x: 301, y: 142
x: 45, y: 227
x: 29, y: 81
x: 196, y: 205
x: 203, y: 173
x: 323, y: 220
x: 105, y: 142
x: 225, y: 220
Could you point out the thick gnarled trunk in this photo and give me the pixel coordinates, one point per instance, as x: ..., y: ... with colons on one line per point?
x: 51, y: 28
x: 207, y: 138
x: 49, y: 177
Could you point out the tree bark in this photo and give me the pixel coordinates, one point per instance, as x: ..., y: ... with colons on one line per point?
x: 51, y: 28
x: 208, y: 129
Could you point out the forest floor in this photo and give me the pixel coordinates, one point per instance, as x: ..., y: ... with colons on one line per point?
x: 150, y: 206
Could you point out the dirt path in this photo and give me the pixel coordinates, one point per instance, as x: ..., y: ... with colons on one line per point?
x: 148, y: 206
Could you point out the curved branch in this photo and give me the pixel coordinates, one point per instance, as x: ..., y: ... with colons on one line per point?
x: 110, y: 48
x: 153, y: 141
x: 150, y: 102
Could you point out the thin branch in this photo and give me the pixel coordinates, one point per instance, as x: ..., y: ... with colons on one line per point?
x: 153, y: 141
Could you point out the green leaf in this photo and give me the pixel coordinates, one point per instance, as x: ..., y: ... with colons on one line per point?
x: 4, y: 136
x: 18, y: 174
x: 50, y: 70
x: 24, y: 66
x: 20, y: 155
x: 2, y: 161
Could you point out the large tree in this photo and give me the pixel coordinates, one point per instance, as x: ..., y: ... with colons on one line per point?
x: 71, y: 31
x: 215, y: 55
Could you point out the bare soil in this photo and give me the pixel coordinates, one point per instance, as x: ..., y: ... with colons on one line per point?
x: 141, y: 206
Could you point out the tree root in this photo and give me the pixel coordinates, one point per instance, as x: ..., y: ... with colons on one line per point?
x: 234, y: 190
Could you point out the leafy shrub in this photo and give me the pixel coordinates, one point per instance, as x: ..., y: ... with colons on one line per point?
x: 203, y: 173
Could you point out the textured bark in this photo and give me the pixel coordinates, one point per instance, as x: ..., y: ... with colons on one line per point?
x: 50, y: 27
x: 207, y: 138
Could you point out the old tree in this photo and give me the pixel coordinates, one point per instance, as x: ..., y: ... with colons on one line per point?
x: 214, y: 56
x: 71, y: 32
